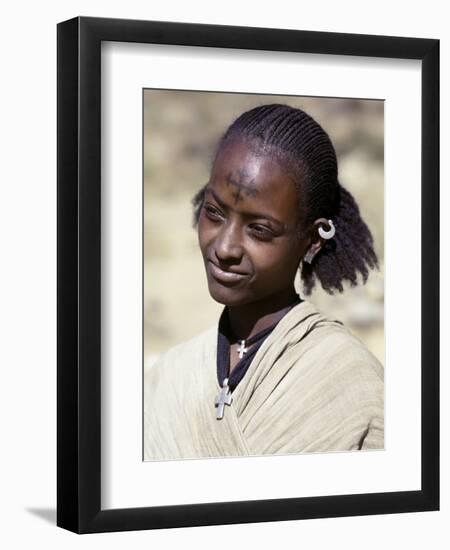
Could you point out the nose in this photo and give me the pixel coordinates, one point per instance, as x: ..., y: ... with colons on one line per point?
x: 228, y: 246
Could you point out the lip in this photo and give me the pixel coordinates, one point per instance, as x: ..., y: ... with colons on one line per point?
x: 223, y: 276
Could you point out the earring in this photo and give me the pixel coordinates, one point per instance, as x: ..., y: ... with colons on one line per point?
x: 327, y: 234
x: 309, y: 256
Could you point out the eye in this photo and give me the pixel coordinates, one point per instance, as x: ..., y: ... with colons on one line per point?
x: 261, y: 232
x: 212, y: 213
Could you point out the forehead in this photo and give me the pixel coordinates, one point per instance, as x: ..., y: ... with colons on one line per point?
x: 244, y: 173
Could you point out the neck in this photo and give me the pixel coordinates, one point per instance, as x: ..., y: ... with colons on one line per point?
x: 247, y: 320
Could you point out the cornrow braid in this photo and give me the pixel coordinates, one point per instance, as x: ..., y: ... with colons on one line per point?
x: 301, y: 145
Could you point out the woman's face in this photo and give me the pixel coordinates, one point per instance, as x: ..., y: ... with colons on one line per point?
x: 248, y: 228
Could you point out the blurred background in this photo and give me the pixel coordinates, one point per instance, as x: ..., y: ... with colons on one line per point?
x: 181, y: 129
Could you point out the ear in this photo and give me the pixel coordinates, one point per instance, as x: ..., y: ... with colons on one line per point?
x: 316, y: 241
x: 315, y: 246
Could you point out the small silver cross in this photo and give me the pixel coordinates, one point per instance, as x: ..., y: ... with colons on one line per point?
x: 224, y: 398
x: 242, y: 349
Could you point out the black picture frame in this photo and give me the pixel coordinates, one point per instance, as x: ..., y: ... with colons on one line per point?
x: 79, y: 275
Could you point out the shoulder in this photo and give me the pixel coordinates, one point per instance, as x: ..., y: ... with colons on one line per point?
x: 180, y: 368
x: 186, y: 352
x: 342, y: 372
x: 348, y: 373
x: 335, y: 365
x: 330, y: 344
x: 193, y: 345
x: 346, y: 351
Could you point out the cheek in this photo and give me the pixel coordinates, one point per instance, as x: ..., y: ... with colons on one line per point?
x: 277, y: 263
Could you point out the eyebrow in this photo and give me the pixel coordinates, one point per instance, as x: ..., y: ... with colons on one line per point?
x: 248, y: 214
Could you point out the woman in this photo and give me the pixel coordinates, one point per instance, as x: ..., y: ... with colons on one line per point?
x: 275, y: 376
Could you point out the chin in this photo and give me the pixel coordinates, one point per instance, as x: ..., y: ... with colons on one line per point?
x: 229, y: 296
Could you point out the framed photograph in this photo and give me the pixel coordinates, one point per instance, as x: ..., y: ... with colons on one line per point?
x: 248, y: 275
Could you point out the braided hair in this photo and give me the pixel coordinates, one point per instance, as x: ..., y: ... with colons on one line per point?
x: 303, y: 148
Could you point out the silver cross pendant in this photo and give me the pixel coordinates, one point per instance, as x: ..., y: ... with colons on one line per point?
x: 242, y: 349
x: 224, y: 398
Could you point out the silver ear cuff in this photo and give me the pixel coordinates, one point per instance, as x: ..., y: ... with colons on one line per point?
x: 328, y: 234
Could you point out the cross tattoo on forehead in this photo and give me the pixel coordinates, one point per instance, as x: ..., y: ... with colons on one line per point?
x: 242, y: 182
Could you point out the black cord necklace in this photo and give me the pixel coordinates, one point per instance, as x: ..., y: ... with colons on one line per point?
x: 247, y: 350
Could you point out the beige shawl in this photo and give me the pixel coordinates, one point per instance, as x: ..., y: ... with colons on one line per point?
x: 311, y: 387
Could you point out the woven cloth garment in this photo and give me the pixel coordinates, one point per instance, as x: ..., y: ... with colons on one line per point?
x: 311, y: 387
